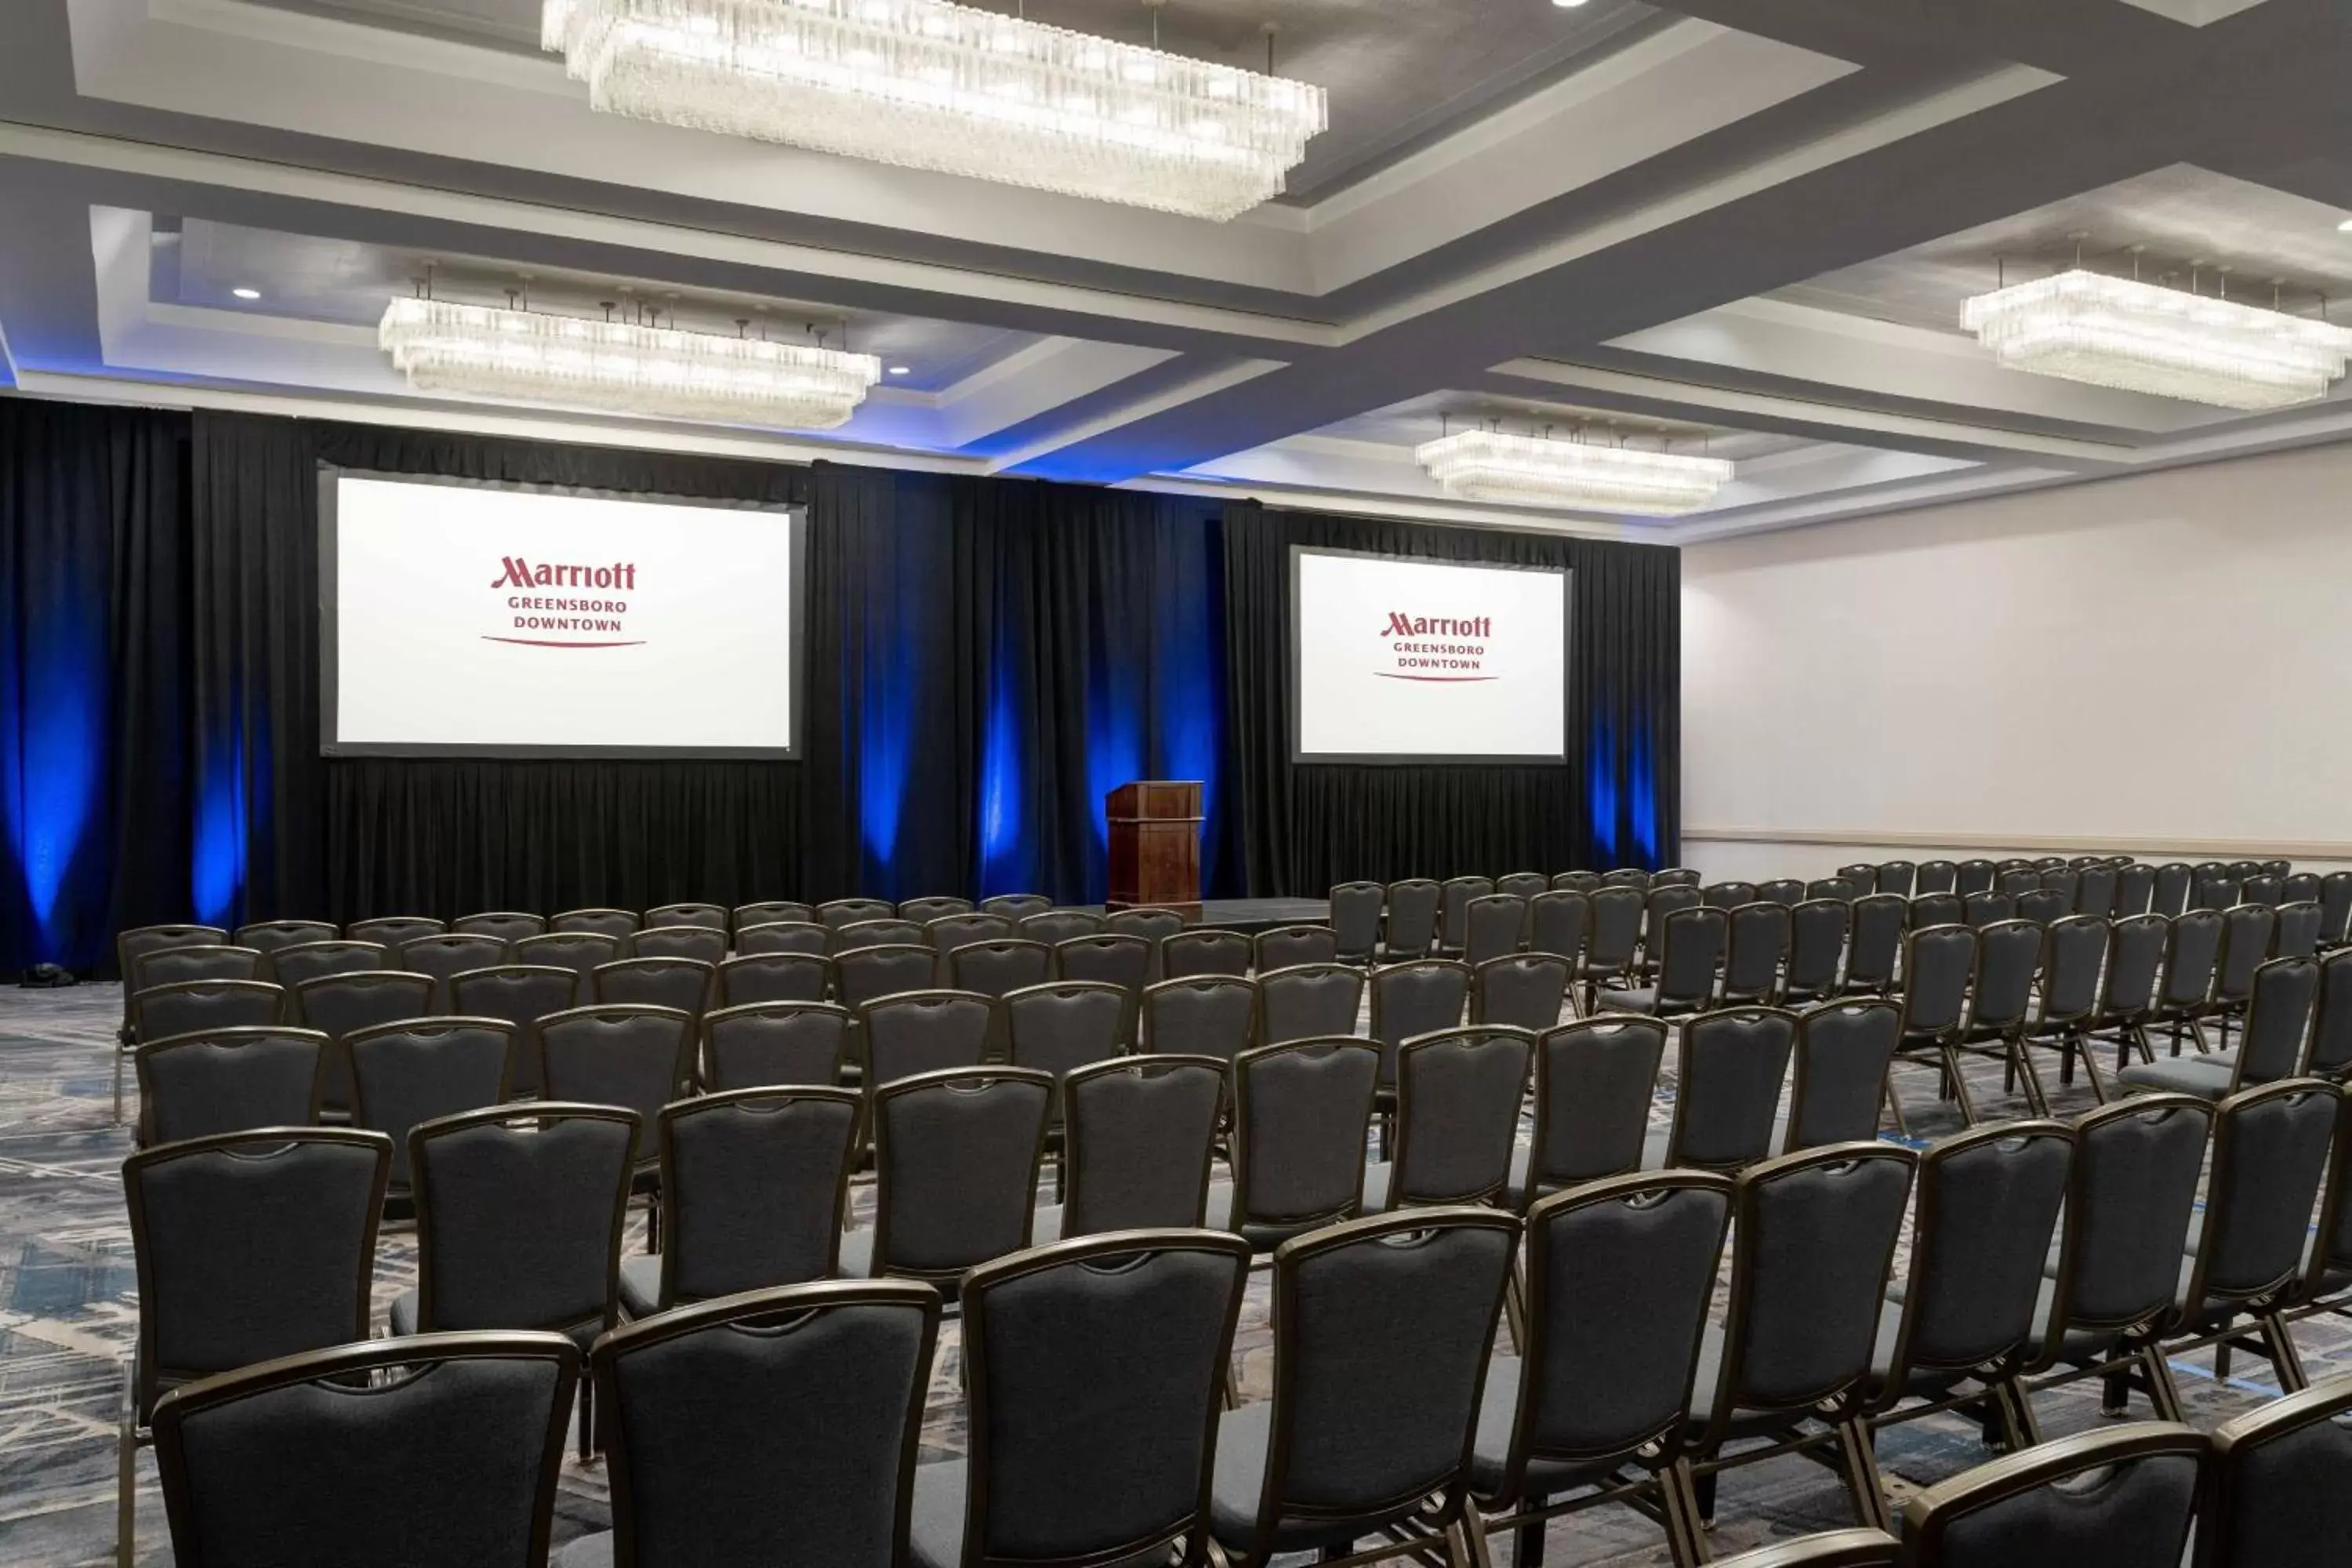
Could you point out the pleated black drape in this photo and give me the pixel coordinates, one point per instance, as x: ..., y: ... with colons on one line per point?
x: 93, y: 679
x: 1304, y: 827
x: 380, y: 835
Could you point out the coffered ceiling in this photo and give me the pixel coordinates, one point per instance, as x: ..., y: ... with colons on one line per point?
x: 1746, y: 225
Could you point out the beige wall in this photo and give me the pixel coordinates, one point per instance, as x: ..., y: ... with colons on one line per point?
x: 2162, y: 664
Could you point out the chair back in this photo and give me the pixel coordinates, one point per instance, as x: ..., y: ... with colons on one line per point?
x: 789, y: 936
x: 2335, y: 909
x: 1310, y: 1000
x: 701, y: 1469
x: 1937, y: 910
x: 2278, y: 1478
x: 578, y: 951
x: 415, y: 1070
x: 1981, y: 910
x: 1815, y: 1235
x: 2245, y: 944
x: 1063, y: 1025
x: 268, y: 936
x: 250, y: 1246
x: 1729, y: 1066
x: 924, y: 911
x: 1057, y: 926
x: 2295, y: 933
x: 1524, y: 989
x: 1154, y: 926
x: 914, y: 1033
x: 955, y: 1161
x: 192, y: 1006
x: 1634, y: 877
x: 1576, y: 881
x: 707, y: 943
x: 772, y: 1045
x: 448, y: 955
x: 888, y: 932
x: 683, y: 983
x: 1412, y: 914
x: 1199, y: 1016
x: 2192, y: 947
x: 1419, y: 998
x: 871, y: 974
x: 1016, y: 906
x: 1896, y: 877
x: 2263, y: 889
x: 1989, y: 1204
x: 2129, y: 1196
x: 2330, y: 1052
x: 2043, y: 906
x: 2019, y: 880
x: 1492, y: 926
x: 1875, y: 942
x: 1299, y: 1114
x: 1935, y: 877
x: 1690, y: 952
x: 1758, y: 944
x: 171, y: 965
x: 1621, y: 1273
x: 521, y: 993
x: 1817, y: 930
x: 949, y: 932
x: 1138, y: 1134
x: 1843, y: 1050
x: 754, y: 1186
x: 2065, y: 881
x: 772, y: 910
x: 1201, y: 952
x: 340, y: 1006
x: 2095, y: 891
x: 2009, y: 958
x: 1616, y: 935
x: 838, y: 912
x: 1559, y: 924
x: 228, y: 1080
x: 2134, y: 959
x: 329, y: 1456
x: 1726, y: 896
x: 1455, y: 898
x: 615, y: 923
x: 1786, y: 891
x: 2270, y: 1155
x: 999, y: 968
x: 1594, y: 1082
x: 1355, y: 920
x: 1094, y: 1372
x: 1119, y: 959
x: 502, y: 926
x: 289, y: 966
x: 1405, y: 1302
x: 634, y: 1056
x: 2278, y: 1020
x: 770, y: 977
x: 2118, y: 1498
x: 1973, y: 876
x: 2135, y: 889
x: 391, y: 931
x: 710, y: 915
x: 1937, y: 963
x: 1838, y: 887
x: 519, y: 1212
x: 1458, y: 1097
x: 2168, y: 889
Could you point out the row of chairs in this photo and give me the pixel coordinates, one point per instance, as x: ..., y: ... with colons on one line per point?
x: 1622, y: 1390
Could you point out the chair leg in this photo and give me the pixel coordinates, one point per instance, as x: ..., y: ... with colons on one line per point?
x: 2090, y: 1072
x: 2221, y: 1361
x: 1702, y: 1494
x: 1475, y: 1529
x: 2161, y: 1389
x: 587, y: 1418
x: 1959, y: 1085
x: 1528, y: 1537
x: 2017, y: 1407
x: 2284, y: 1358
x: 1678, y: 1500
x: 1514, y: 1310
x: 1862, y: 1478
x: 2035, y: 1095
x: 117, y: 1083
x: 1895, y: 1107
x: 1458, y: 1553
x: 1232, y: 1386
x: 126, y: 1475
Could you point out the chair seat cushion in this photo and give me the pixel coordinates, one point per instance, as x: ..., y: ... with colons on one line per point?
x: 1264, y: 1237
x: 1241, y: 1437
x: 2207, y: 1077
x: 935, y: 1527
x: 641, y: 1285
x: 1643, y: 999
x: 1744, y: 1423
x: 1498, y: 1405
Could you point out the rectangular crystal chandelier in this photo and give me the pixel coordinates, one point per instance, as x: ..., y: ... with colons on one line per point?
x: 2139, y: 337
x: 1489, y: 465
x: 659, y: 372
x: 931, y: 85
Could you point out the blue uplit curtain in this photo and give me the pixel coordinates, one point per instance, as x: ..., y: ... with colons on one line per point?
x: 94, y: 821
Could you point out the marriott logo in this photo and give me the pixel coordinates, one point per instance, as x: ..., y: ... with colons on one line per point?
x: 518, y: 572
x: 1403, y: 626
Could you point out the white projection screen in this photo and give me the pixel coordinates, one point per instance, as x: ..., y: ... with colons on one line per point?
x: 1400, y: 659
x: 462, y: 619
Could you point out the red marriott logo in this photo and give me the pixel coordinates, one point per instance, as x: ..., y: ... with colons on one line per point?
x: 1403, y: 626
x: 517, y: 572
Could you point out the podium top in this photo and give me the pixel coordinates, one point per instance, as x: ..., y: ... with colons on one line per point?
x: 1155, y: 800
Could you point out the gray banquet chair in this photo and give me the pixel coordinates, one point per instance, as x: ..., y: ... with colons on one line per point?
x: 1413, y: 920
x: 955, y: 1161
x: 773, y: 1045
x: 1057, y: 925
x: 1874, y: 942
x: 1138, y: 1136
x: 2328, y: 1053
x: 518, y: 1213
x: 338, y: 1005
x: 391, y: 931
x: 1897, y: 877
x: 501, y: 926
x: 1092, y: 1371
x: 1110, y: 958
x: 2295, y: 933
x: 1493, y: 927
x: 1458, y: 1093
x: 914, y: 1033
x: 1935, y: 877
x: 1406, y: 1303
x: 1282, y: 947
x: 448, y: 954
x: 835, y: 914
x: 629, y: 1055
x: 871, y: 974
x: 2278, y: 1019
x: 1937, y: 963
x: 683, y: 983
x: 2122, y: 1497
x: 1727, y: 896
x: 888, y: 933
x: 578, y: 951
x: 1974, y: 876
x: 615, y: 923
x: 1614, y: 941
x: 1299, y: 1114
x: 2245, y: 946
x: 1620, y: 1274
x: 1786, y: 891
x: 1842, y: 1055
x: 924, y: 911
x: 171, y: 965
x: 1594, y: 1080
x: 268, y: 936
x: 1729, y: 1066
x: 2192, y: 947
x: 1981, y: 910
x: 707, y: 943
x: 1690, y: 952
x: 220, y: 1286
x: 421, y: 1068
x: 1310, y: 1000
x: 770, y: 977
x: 1016, y: 906
x: 1817, y: 929
x: 2126, y: 990
x: 1454, y: 898
x: 193, y: 1006
x: 1576, y: 883
x: 949, y: 932
x: 228, y: 1080
x: 1525, y: 990
x: 1756, y: 947
x: 1204, y: 1015
x: 786, y: 936
x: 999, y: 968
x: 772, y: 910
x: 2000, y: 1003
x: 451, y: 1457
x: 1559, y: 924
x: 702, y: 1470
x: 2279, y: 1475
x: 755, y: 1184
x: 1154, y: 926
x: 710, y: 915
x: 2335, y: 909
x: 521, y: 993
x: 2168, y: 891
x: 1524, y: 885
x: 1816, y: 1236
x: 1202, y: 951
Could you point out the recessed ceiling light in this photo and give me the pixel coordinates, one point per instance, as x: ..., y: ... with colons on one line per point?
x: 2344, y: 227
x: 901, y: 369
x: 246, y: 293
x: 1565, y: 4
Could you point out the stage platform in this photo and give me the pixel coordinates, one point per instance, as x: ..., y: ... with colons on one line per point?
x: 1253, y: 915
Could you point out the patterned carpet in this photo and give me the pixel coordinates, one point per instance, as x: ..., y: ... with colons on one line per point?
x: 69, y: 1306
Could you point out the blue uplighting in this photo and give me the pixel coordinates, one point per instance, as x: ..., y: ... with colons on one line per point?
x: 885, y: 718
x: 216, y: 872
x: 1642, y: 786
x: 52, y: 760
x: 1600, y: 793
x: 1002, y: 859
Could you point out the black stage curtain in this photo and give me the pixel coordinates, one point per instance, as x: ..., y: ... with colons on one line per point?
x: 93, y: 677
x: 355, y: 837
x: 1613, y: 801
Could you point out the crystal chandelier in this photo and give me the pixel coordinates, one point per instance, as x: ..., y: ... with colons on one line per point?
x: 936, y: 86
x: 2139, y: 337
x: 621, y: 365
x: 1488, y: 465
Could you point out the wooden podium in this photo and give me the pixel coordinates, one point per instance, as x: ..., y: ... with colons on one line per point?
x: 1155, y: 846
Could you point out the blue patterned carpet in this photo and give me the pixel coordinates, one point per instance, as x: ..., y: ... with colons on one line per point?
x: 68, y: 1311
